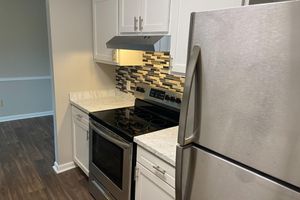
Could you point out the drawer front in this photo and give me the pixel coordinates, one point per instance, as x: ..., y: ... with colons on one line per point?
x: 150, y: 187
x: 80, y: 116
x: 157, y: 166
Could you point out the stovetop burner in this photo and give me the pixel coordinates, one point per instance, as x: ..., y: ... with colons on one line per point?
x: 140, y: 119
x: 145, y: 116
x: 158, y: 122
x: 132, y: 126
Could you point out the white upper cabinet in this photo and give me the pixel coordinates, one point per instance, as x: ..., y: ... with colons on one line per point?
x: 105, y: 18
x: 144, y: 16
x: 129, y: 12
x: 155, y: 15
x: 179, y: 39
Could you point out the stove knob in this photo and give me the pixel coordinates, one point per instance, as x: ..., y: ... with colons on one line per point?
x: 167, y: 98
x: 178, y: 100
x: 172, y: 99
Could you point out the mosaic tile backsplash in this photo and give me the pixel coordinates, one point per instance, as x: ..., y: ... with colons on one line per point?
x: 155, y: 72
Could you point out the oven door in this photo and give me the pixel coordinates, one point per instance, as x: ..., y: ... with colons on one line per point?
x: 110, y: 162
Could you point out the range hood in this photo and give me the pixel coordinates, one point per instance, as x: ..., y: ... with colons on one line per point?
x: 160, y: 43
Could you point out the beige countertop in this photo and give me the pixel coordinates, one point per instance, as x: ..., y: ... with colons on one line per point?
x: 91, y: 101
x: 161, y: 143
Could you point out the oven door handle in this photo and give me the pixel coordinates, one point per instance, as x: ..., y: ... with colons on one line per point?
x: 110, y: 138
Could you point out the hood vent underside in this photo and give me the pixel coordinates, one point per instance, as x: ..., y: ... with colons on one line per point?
x: 142, y: 43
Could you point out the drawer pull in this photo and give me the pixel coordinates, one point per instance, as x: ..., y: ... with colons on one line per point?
x: 162, y: 171
x: 87, y: 135
x: 79, y: 117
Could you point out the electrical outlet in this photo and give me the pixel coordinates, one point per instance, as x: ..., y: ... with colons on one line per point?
x: 1, y: 103
x: 128, y: 85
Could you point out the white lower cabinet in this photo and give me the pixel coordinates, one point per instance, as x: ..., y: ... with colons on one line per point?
x: 80, y: 125
x: 154, y: 177
x: 149, y: 186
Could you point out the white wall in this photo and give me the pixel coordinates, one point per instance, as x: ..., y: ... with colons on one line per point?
x: 23, y: 38
x: 24, y: 53
x: 73, y: 66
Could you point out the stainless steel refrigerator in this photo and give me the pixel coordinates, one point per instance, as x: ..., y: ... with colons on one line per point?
x: 239, y: 135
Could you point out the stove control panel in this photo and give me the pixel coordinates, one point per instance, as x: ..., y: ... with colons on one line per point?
x: 162, y: 96
x: 157, y: 94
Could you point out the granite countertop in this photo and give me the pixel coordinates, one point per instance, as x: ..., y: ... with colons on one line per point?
x: 161, y: 143
x: 91, y: 101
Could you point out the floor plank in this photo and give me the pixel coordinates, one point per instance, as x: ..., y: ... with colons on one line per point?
x: 26, y: 159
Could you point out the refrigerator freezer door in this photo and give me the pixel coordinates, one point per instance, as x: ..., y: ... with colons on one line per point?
x: 249, y: 81
x: 212, y: 178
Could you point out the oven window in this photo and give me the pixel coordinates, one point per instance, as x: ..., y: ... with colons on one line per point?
x: 108, y: 157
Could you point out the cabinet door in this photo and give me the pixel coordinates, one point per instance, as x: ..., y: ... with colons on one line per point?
x: 129, y: 12
x: 155, y: 16
x: 105, y: 17
x: 149, y: 186
x: 81, y: 145
x: 181, y: 38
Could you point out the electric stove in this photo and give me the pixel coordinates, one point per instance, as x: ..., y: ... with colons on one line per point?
x: 112, y: 150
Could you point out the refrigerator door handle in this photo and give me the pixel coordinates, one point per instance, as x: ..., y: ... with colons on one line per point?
x: 179, y: 170
x: 190, y: 75
x: 185, y: 173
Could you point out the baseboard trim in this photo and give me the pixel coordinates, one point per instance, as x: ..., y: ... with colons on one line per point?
x: 25, y: 116
x: 64, y: 167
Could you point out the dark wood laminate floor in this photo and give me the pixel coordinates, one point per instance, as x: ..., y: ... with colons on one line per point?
x: 26, y: 160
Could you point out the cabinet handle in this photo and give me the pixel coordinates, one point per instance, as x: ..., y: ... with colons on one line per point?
x: 141, y: 23
x: 115, y: 55
x: 87, y: 135
x: 171, y: 61
x: 135, y: 23
x: 136, y: 173
x: 157, y: 168
x: 79, y: 117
